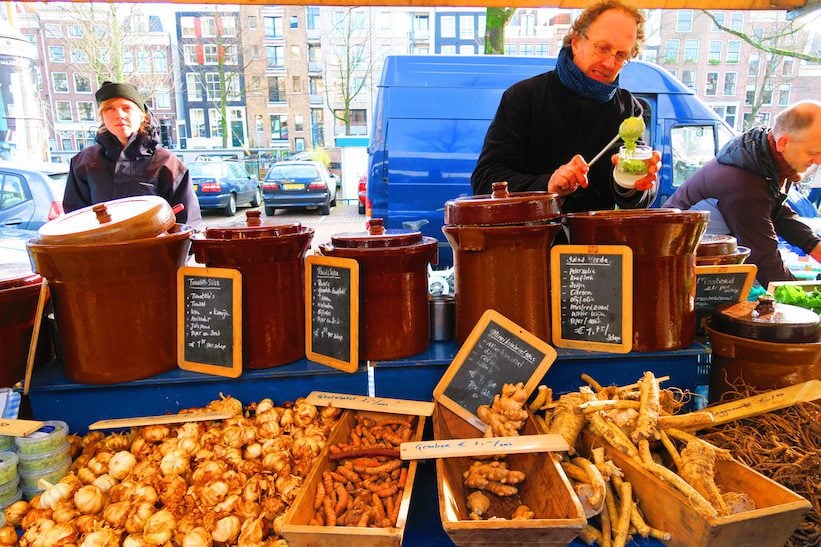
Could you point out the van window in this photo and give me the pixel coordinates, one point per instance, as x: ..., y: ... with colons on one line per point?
x: 692, y: 146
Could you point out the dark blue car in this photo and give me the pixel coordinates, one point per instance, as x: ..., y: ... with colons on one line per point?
x: 31, y: 193
x: 224, y: 185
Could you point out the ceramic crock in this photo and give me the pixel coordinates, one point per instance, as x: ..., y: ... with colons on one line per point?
x: 501, y: 245
x: 271, y: 259
x: 720, y: 250
x: 19, y: 293
x: 393, y: 288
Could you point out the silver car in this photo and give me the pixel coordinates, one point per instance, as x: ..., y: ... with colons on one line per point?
x: 299, y: 184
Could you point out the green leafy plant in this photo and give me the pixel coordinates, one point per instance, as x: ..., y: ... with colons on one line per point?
x: 796, y: 296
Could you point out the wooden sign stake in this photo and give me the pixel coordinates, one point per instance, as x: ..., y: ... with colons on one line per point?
x: 35, y: 334
x: 118, y: 423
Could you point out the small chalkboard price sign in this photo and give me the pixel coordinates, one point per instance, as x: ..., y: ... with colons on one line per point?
x: 332, y: 311
x: 209, y: 320
x: 592, y: 297
x: 497, y: 352
x: 720, y: 284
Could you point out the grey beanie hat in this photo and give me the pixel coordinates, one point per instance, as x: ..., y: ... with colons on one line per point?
x: 111, y: 90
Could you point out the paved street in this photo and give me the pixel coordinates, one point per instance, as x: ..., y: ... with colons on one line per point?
x: 343, y: 218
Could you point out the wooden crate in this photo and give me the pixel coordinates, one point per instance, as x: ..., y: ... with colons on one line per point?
x: 806, y: 285
x: 298, y: 532
x: 559, y: 516
x: 778, y: 509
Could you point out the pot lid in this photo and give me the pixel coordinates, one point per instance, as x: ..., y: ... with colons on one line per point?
x: 254, y: 227
x: 716, y: 244
x: 377, y: 237
x: 668, y: 215
x: 114, y: 221
x: 502, y: 207
x: 768, y: 321
x: 17, y: 274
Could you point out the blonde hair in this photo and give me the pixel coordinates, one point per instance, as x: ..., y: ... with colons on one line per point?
x: 583, y: 21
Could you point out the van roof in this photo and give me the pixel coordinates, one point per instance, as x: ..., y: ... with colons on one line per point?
x: 501, y: 71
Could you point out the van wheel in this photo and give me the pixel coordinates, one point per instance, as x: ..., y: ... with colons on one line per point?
x: 270, y: 211
x: 231, y: 209
x: 324, y: 209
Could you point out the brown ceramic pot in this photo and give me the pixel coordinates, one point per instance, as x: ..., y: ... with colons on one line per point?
x: 271, y: 259
x: 393, y: 288
x: 115, y: 304
x: 501, y: 245
x: 720, y: 250
x: 663, y: 242
x: 19, y: 292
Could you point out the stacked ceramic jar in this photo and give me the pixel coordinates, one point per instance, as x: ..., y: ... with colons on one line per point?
x: 43, y: 457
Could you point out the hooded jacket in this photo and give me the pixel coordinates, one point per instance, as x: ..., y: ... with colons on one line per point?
x: 744, y: 182
x: 106, y: 171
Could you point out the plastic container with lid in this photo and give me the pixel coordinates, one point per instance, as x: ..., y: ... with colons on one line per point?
x: 393, y: 287
x: 52, y: 475
x: 32, y: 463
x: 112, y: 270
x: 664, y: 243
x: 720, y: 250
x: 52, y: 435
x: 9, y: 489
x: 19, y: 293
x: 766, y: 344
x: 8, y: 467
x: 7, y: 443
x: 501, y: 245
x: 14, y: 496
x: 271, y: 259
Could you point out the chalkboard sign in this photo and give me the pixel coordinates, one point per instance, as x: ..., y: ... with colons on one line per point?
x: 720, y: 284
x: 497, y: 352
x: 592, y: 297
x: 209, y: 320
x: 332, y: 311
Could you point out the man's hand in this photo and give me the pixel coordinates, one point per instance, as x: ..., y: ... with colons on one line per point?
x: 570, y: 176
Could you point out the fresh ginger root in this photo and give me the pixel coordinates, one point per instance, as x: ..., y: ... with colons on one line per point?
x: 506, y: 414
x: 522, y: 512
x: 494, y: 477
x: 478, y: 504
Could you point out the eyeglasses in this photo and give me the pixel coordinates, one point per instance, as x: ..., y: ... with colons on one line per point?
x: 603, y: 52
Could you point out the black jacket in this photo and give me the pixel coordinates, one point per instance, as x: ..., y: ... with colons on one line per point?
x: 539, y: 126
x: 106, y: 171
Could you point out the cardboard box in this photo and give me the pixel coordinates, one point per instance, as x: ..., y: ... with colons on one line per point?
x: 559, y: 516
x: 297, y: 529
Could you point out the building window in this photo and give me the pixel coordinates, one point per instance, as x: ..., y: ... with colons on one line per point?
x: 715, y: 52
x: 197, y: 122
x: 684, y: 20
x: 730, y: 115
x: 764, y: 119
x: 784, y: 95
x: 252, y: 22
x: 193, y: 87
x: 357, y: 122
x: 79, y: 56
x: 154, y: 24
x: 313, y: 53
x: 53, y: 30
x: 75, y: 31
x: 215, y: 122
x: 542, y: 50
x: 299, y: 125
x: 273, y: 27
x: 160, y: 61
x: 188, y: 27
x: 85, y: 109
x: 82, y: 84
x: 296, y: 51
x: 279, y: 127
x: 56, y: 54
x: 213, y: 85
x: 312, y: 17
x: 736, y: 21
x: 510, y: 49
x: 230, y: 55
x: 163, y: 97
x: 143, y: 62
x: 314, y: 85
x: 294, y: 22
x: 59, y: 82
x: 688, y: 78
x: 208, y: 27
x: 527, y: 49
x: 210, y: 54
x: 296, y: 84
x: 299, y: 144
x: 451, y: 50
x: 752, y: 67
x: 229, y: 26
x: 276, y: 89
x: 128, y: 62
x: 730, y: 79
x: 65, y: 140
x: 787, y: 66
x: 719, y: 20
x: 274, y: 56
x: 671, y: 51
x: 448, y: 26
x: 466, y: 30
x: 189, y: 54
x: 711, y: 84
x: 733, y: 51
x: 467, y: 49
x: 691, y: 48
x: 749, y: 95
x: 63, y: 111
x: 767, y: 94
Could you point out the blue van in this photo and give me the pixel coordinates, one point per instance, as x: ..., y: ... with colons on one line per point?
x: 432, y: 113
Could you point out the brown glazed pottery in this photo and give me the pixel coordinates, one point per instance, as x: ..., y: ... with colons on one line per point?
x: 115, y: 303
x: 663, y: 242
x: 271, y: 259
x: 393, y: 288
x: 720, y: 250
x: 19, y: 293
x: 766, y: 344
x: 501, y: 245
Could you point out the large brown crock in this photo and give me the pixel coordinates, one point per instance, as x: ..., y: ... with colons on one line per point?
x: 271, y: 259
x: 393, y: 288
x: 115, y: 303
x: 720, y: 250
x: 501, y: 245
x: 663, y: 242
x: 766, y: 345
x: 19, y: 292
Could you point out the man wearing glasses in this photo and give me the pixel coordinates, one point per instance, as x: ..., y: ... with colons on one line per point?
x: 547, y: 125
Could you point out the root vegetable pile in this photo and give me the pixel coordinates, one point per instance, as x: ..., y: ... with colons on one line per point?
x: 784, y: 445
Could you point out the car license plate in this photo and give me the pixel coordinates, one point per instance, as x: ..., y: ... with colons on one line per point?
x: 294, y: 186
x: 196, y: 187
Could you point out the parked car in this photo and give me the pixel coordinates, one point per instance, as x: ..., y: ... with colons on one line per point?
x: 224, y: 185
x: 31, y: 193
x: 299, y: 184
x: 363, y: 193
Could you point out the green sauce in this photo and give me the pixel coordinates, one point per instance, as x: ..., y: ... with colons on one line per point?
x: 630, y: 131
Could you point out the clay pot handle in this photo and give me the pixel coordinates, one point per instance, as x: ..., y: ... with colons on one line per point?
x: 252, y: 218
x: 500, y: 190
x: 102, y: 213
x: 376, y: 227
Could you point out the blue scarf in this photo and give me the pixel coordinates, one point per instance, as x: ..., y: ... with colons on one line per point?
x: 576, y: 80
